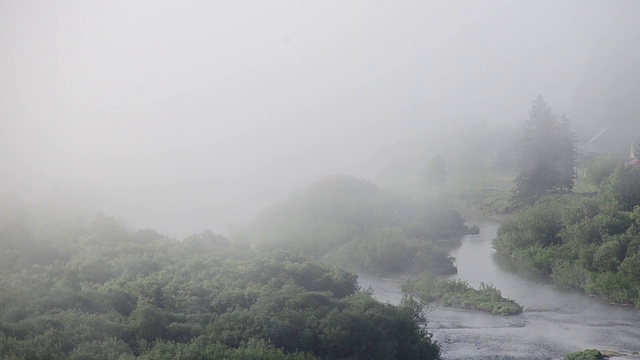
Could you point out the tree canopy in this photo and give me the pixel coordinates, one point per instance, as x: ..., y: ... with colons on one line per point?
x: 586, y: 242
x: 103, y: 291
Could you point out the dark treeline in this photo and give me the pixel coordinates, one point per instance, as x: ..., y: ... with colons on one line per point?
x: 98, y: 290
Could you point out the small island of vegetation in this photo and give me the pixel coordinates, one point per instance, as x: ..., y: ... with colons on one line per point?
x: 592, y: 354
x: 458, y: 293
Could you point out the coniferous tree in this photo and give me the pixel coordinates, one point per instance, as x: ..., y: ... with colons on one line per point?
x: 536, y: 171
x: 547, y: 154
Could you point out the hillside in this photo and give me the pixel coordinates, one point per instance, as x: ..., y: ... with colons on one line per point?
x: 99, y: 290
x: 351, y: 222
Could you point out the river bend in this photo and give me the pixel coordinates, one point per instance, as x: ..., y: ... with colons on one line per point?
x: 555, y: 321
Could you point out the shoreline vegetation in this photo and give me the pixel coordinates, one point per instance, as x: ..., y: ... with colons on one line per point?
x: 588, y: 241
x: 591, y: 243
x: 458, y: 293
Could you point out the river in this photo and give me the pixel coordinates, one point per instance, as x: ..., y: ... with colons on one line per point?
x: 554, y: 323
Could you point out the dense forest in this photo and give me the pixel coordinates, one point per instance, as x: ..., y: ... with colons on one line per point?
x: 98, y: 290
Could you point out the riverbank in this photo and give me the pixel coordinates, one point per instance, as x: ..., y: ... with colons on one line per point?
x: 554, y: 323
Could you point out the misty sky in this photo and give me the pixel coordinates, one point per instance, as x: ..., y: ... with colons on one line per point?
x: 185, y: 115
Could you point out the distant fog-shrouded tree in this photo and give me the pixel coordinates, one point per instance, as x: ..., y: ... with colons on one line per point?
x: 437, y: 171
x: 636, y: 149
x: 547, y: 154
x: 567, y: 154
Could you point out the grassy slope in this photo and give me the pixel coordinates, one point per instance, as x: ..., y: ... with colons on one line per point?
x: 473, y: 192
x: 480, y: 192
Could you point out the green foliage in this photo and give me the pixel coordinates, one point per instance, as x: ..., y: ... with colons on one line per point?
x: 107, y: 292
x: 570, y: 274
x: 110, y: 348
x: 598, y: 169
x: 352, y: 223
x: 622, y: 189
x: 487, y: 193
x: 390, y: 250
x: 200, y: 348
x: 458, y: 293
x: 539, y: 225
x: 591, y: 354
x: 586, y: 243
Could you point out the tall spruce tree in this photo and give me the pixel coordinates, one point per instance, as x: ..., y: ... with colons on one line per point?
x: 547, y: 154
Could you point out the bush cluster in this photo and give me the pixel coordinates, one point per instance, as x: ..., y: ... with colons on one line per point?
x: 458, y: 293
x: 101, y: 291
x: 589, y: 243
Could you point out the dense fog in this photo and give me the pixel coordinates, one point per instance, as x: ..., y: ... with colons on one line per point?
x: 187, y: 115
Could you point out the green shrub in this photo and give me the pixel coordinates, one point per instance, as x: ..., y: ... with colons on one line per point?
x: 622, y: 189
x: 458, y: 293
x: 598, y: 169
x: 596, y: 243
x: 591, y: 354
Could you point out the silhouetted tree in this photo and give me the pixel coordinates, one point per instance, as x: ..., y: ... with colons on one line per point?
x: 547, y: 154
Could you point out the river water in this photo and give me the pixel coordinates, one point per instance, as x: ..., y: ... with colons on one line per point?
x: 554, y: 323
